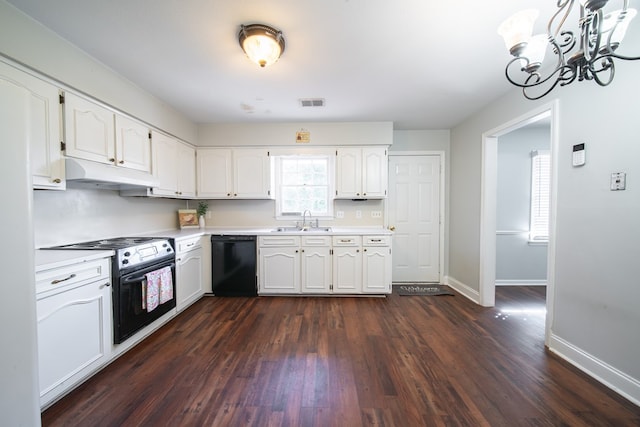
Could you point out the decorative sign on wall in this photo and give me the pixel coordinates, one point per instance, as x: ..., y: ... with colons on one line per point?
x: 303, y: 136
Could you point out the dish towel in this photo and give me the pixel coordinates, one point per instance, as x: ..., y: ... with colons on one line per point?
x: 159, y: 287
x: 151, y: 290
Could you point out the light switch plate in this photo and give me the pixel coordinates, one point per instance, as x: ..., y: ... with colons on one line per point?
x: 618, y: 181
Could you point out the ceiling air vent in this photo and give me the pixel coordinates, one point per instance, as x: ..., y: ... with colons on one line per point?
x: 312, y: 102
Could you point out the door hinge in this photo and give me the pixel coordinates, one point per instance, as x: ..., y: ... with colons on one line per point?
x: 61, y: 98
x: 63, y: 146
x: 330, y: 251
x: 268, y: 192
x: 268, y: 154
x: 336, y: 152
x: 149, y: 135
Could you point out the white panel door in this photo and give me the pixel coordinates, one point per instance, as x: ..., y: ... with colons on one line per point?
x: 414, y: 211
x: 89, y: 130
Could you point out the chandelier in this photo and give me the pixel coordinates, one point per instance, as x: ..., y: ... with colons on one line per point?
x: 586, y: 55
x: 261, y: 43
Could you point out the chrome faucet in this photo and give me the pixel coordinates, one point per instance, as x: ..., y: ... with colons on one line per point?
x: 304, y: 218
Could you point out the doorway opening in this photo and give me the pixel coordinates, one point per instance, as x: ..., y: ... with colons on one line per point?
x: 489, y: 191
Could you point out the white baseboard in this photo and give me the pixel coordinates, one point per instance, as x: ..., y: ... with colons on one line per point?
x: 521, y: 283
x: 465, y: 290
x: 616, y: 380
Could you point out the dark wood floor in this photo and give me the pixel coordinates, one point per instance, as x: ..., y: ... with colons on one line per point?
x: 399, y: 361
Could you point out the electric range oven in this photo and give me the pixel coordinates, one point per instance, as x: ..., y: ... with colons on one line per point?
x: 143, y: 276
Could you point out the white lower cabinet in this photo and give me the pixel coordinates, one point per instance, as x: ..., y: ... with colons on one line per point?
x: 315, y: 265
x: 347, y: 264
x: 189, y: 271
x: 322, y: 264
x: 74, y: 325
x: 279, y: 265
x: 376, y: 265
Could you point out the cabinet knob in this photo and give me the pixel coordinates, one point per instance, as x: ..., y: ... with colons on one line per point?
x: 364, y: 194
x: 357, y: 194
x: 228, y: 194
x: 121, y: 162
x: 392, y: 228
x: 364, y: 250
x: 112, y: 160
x: 57, y: 181
x: 235, y: 194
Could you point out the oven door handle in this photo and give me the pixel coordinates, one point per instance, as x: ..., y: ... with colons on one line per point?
x: 144, y: 276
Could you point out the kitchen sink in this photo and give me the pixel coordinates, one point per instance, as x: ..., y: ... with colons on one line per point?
x: 293, y: 229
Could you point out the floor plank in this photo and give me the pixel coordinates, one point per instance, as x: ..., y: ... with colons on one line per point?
x: 396, y: 361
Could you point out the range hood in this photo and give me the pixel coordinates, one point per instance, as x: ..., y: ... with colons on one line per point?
x: 99, y: 175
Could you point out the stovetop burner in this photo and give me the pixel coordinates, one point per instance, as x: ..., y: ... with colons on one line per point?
x: 114, y: 243
x: 130, y: 251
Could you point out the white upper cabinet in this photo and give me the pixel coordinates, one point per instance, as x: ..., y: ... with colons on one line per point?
x: 174, y: 166
x: 361, y: 173
x: 133, y: 144
x: 95, y: 133
x: 89, y: 130
x: 43, y: 120
x: 225, y: 173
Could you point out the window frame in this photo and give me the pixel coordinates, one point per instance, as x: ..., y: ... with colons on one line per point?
x: 277, y: 183
x: 540, y: 197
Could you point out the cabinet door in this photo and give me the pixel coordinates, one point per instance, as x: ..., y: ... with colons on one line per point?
x: 376, y: 268
x: 186, y: 173
x: 348, y: 173
x: 279, y: 270
x: 214, y: 173
x: 347, y: 270
x: 164, y: 165
x: 74, y: 336
x: 374, y: 172
x: 89, y: 130
x: 251, y: 174
x: 315, y: 269
x: 45, y: 156
x: 189, y: 278
x: 133, y: 146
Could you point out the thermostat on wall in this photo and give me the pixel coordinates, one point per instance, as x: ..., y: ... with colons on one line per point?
x: 579, y: 156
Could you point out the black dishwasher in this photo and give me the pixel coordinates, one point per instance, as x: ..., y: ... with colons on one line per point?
x: 233, y: 266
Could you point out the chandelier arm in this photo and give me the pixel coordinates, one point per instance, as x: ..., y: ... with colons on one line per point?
x: 562, y: 5
x: 607, y: 64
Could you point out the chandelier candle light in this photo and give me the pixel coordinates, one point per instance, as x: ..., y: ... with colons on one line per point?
x: 586, y: 55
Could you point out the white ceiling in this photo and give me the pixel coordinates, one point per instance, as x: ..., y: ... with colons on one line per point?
x: 423, y: 64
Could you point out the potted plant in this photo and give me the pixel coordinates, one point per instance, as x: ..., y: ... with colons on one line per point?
x: 201, y: 210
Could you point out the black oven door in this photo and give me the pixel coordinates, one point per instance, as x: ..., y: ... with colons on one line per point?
x: 130, y: 311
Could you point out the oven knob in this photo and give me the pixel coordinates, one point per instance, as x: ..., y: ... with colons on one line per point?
x: 127, y: 253
x: 125, y: 261
x: 168, y: 249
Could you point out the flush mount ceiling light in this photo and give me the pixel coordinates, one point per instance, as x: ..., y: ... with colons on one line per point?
x: 262, y: 44
x: 588, y: 55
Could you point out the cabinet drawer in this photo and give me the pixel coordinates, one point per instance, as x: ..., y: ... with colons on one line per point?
x: 185, y: 245
x: 267, y: 241
x: 58, y: 279
x: 375, y: 241
x: 316, y: 241
x: 346, y: 240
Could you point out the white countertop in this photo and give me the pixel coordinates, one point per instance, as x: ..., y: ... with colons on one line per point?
x: 258, y: 231
x: 47, y: 259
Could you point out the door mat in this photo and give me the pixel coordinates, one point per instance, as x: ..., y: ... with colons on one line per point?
x: 415, y: 289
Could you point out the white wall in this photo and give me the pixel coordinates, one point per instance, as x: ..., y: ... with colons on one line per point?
x: 79, y: 214
x: 596, y: 292
x: 518, y: 261
x: 284, y: 134
x: 19, y: 397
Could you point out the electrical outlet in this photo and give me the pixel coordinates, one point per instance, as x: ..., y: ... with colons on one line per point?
x: 376, y: 214
x: 358, y: 214
x: 340, y: 214
x: 618, y: 181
